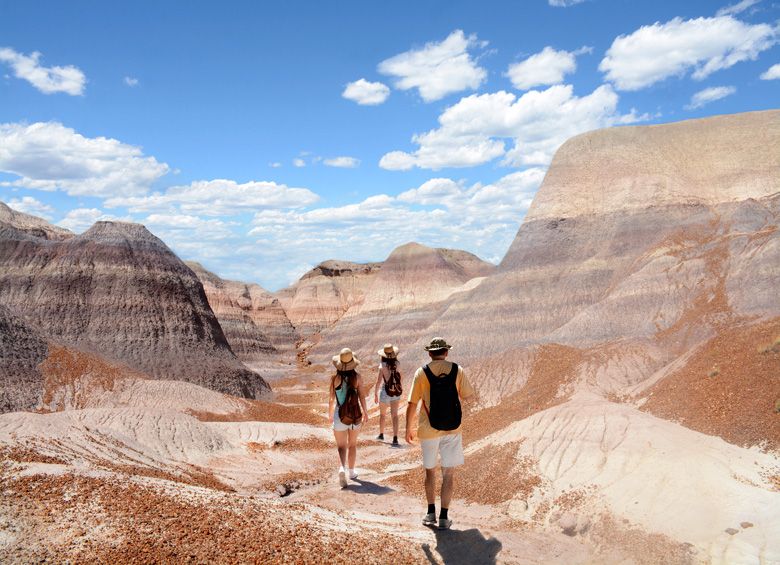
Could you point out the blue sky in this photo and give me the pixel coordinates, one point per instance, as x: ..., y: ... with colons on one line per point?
x: 263, y: 138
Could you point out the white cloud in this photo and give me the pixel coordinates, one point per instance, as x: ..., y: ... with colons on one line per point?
x: 185, y: 227
x: 771, y: 73
x: 275, y: 165
x: 709, y: 95
x: 30, y: 205
x: 737, y: 8
x: 342, y: 162
x: 298, y: 162
x: 217, y: 198
x: 440, y: 213
x: 82, y: 219
x: 50, y: 156
x: 703, y: 45
x: 564, y: 3
x: 130, y: 81
x: 437, y: 69
x: 544, y: 68
x: 366, y: 93
x: 472, y: 131
x: 48, y: 80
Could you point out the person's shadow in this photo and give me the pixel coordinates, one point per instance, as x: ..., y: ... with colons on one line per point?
x: 463, y: 547
x: 367, y: 487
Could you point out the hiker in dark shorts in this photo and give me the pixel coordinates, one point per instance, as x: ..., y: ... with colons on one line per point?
x: 440, y: 385
x: 344, y: 385
x: 387, y: 390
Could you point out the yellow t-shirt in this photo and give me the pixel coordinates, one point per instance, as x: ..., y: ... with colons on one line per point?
x: 421, y: 390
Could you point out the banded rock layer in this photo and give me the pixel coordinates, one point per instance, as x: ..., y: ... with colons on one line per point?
x: 641, y: 262
x: 325, y: 293
x: 254, y: 322
x: 118, y: 291
x: 410, y: 291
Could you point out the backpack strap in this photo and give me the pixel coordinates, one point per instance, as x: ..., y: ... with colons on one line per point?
x: 454, y: 371
x: 428, y: 372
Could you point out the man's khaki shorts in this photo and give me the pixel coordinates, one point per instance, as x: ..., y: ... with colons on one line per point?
x: 449, y: 447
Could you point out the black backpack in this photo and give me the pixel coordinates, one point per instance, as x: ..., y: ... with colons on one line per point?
x: 350, y: 412
x: 444, y: 413
x: 393, y: 384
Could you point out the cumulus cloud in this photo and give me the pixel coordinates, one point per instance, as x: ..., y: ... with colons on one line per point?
x: 130, y: 81
x: 81, y: 219
x: 49, y: 80
x: 546, y: 67
x: 702, y: 45
x: 366, y: 93
x: 218, y: 197
x: 438, y: 68
x: 30, y: 205
x: 50, y: 156
x: 709, y: 95
x: 737, y: 8
x: 442, y: 212
x: 186, y: 227
x: 473, y: 131
x: 275, y: 165
x: 342, y: 162
x: 771, y: 73
x: 298, y: 162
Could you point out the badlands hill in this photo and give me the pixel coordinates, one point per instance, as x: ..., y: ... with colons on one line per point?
x: 409, y: 290
x: 637, y: 259
x: 325, y: 293
x: 255, y: 324
x: 32, y: 225
x: 118, y: 291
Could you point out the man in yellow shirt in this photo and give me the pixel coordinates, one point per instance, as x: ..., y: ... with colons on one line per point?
x: 440, y: 385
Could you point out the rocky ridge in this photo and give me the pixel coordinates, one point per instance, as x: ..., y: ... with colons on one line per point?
x: 325, y: 293
x: 119, y: 291
x: 255, y: 324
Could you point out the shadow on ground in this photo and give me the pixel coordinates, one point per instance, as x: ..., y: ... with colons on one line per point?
x: 463, y: 547
x: 367, y: 487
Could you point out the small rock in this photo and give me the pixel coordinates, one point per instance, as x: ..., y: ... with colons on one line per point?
x: 745, y: 525
x: 731, y: 531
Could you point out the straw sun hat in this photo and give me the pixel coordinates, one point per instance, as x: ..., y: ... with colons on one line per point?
x: 389, y: 351
x: 345, y: 361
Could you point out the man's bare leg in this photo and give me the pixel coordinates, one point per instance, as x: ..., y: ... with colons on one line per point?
x: 447, y: 485
x: 430, y: 485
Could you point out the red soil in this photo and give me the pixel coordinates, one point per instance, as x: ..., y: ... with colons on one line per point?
x: 730, y: 387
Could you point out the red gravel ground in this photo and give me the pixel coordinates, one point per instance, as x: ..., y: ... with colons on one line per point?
x: 730, y: 387
x: 262, y: 411
x: 86, y: 520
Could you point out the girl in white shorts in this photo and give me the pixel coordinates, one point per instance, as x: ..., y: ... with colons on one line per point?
x: 346, y: 435
x: 388, y: 364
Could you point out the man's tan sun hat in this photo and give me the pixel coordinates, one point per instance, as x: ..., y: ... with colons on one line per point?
x: 437, y: 344
x: 345, y: 361
x: 389, y: 351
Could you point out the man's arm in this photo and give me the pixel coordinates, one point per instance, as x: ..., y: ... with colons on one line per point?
x: 411, y: 411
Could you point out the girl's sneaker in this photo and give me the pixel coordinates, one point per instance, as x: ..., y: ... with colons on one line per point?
x: 342, y: 477
x: 352, y: 474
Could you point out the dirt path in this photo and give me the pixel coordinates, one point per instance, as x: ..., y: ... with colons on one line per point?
x: 480, y: 533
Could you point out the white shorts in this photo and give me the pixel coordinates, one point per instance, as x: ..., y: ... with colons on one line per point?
x: 339, y: 426
x: 449, y: 447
